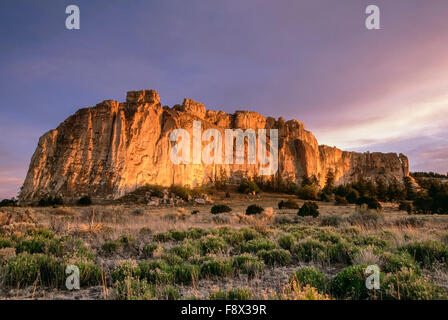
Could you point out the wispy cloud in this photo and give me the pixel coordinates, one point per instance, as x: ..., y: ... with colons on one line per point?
x: 410, y: 119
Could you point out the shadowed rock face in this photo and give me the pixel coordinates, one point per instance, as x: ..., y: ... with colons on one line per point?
x: 112, y: 148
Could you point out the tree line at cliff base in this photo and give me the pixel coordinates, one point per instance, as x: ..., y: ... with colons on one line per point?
x: 420, y: 193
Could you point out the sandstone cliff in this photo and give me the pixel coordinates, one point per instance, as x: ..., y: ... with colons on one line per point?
x: 112, y: 148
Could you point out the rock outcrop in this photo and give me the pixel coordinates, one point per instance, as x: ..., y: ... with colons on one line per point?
x: 110, y: 149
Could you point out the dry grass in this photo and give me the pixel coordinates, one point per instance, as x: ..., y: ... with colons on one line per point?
x: 294, y: 291
x: 366, y: 256
x: 97, y: 224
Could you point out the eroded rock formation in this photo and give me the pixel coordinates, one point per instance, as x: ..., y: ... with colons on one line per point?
x: 113, y: 148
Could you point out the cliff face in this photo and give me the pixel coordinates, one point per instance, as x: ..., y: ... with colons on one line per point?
x: 112, y: 148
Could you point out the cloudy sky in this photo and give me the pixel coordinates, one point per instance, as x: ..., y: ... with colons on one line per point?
x: 314, y: 60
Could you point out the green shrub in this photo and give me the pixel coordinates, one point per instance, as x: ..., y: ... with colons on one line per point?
x: 365, y: 240
x: 307, y: 192
x: 288, y: 204
x: 286, y: 241
x: 247, y: 264
x: 341, y: 252
x: 352, y: 231
x: 76, y: 248
x: 139, y: 289
x: 324, y: 235
x: 57, y: 247
x: 41, y: 243
x: 234, y: 294
x: 410, y: 285
x: 394, y: 262
x: 219, y: 267
x: 330, y: 249
x: 85, y: 201
x: 213, y: 245
x: 125, y: 269
x: 156, y: 271
x: 275, y: 257
x: 350, y: 283
x: 89, y: 273
x: 186, y: 273
x: 44, y: 233
x: 162, y: 237
x: 311, y: 276
x: 32, y: 245
x: 25, y: 269
x: 177, y: 235
x: 254, y: 209
x: 248, y: 187
x: 127, y: 240
x: 237, y: 237
x: 310, y: 250
x: 112, y: 246
x: 222, y: 231
x: 255, y: 245
x: 428, y: 252
x: 186, y: 250
x: 6, y: 243
x: 249, y: 234
x: 134, y: 289
x: 309, y: 208
x: 172, y: 259
x: 196, y: 233
x: 148, y: 250
x: 169, y: 292
x: 234, y: 238
x: 220, y: 208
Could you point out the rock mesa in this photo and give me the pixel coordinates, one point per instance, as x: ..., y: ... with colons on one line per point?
x: 110, y: 149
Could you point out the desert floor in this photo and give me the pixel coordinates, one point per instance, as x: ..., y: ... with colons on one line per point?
x: 132, y: 252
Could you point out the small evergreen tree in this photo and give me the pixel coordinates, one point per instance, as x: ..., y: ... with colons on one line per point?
x: 329, y: 182
x: 381, y: 189
x: 309, y: 208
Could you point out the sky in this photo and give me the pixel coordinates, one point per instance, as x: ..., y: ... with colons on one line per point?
x: 378, y: 90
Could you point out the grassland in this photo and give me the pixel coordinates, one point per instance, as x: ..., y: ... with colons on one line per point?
x: 136, y: 252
